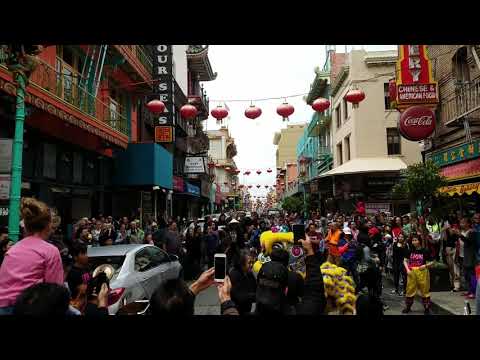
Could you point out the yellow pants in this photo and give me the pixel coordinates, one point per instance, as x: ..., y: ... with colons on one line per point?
x: 418, y: 281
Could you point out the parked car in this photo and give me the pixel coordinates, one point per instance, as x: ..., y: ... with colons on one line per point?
x: 136, y: 271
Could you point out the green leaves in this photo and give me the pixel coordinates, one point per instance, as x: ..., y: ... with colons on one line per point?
x: 292, y: 204
x: 420, y: 182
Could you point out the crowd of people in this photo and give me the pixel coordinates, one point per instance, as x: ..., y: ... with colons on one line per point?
x: 46, y: 273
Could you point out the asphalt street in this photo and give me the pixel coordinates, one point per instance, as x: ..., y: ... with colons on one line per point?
x: 207, y: 303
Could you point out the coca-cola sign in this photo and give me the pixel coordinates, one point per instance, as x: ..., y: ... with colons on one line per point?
x: 417, y: 123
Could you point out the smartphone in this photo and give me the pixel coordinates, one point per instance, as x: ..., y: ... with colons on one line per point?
x: 298, y: 232
x: 220, y: 264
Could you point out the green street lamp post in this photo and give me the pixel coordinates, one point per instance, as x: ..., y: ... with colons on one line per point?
x: 21, y: 63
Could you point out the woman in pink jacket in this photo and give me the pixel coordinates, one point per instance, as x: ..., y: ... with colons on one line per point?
x: 32, y: 260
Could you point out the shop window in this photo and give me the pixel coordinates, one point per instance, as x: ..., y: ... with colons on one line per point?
x: 393, y: 141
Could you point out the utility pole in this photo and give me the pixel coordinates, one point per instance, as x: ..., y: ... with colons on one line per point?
x: 21, y: 62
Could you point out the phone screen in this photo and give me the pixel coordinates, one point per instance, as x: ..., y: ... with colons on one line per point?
x: 220, y: 267
x: 298, y: 232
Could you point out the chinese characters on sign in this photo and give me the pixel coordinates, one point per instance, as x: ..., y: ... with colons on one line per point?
x: 164, y: 134
x: 195, y: 165
x: 456, y: 154
x: 465, y: 169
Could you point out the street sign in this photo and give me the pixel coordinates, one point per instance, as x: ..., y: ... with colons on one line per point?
x: 195, y: 165
x: 5, y: 181
x: 5, y: 156
x: 164, y: 134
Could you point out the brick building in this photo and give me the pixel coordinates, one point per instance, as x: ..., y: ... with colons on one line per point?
x: 455, y: 147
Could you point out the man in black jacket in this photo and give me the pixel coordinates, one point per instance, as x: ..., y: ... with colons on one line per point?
x: 295, y: 280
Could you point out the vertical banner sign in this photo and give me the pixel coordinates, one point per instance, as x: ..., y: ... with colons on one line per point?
x: 163, y: 88
x: 415, y: 84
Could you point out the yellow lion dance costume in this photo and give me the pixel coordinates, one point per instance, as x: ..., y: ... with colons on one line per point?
x: 339, y: 288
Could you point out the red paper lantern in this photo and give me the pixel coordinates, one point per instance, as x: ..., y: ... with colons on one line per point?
x: 250, y: 186
x: 156, y: 106
x: 285, y: 110
x: 253, y: 112
x: 269, y: 171
x: 240, y: 186
x: 227, y: 168
x: 247, y: 173
x: 225, y: 183
x: 219, y: 113
x: 355, y: 96
x: 211, y: 165
x: 266, y: 186
x: 237, y: 172
x: 320, y: 105
x: 259, y: 172
x: 258, y: 186
x: 233, y: 184
x: 282, y: 183
x: 188, y: 111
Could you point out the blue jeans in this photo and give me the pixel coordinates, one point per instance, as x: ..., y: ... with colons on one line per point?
x: 6, y: 310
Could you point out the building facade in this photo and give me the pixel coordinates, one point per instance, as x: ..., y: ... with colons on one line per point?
x: 90, y: 146
x: 455, y: 146
x: 222, y: 151
x: 80, y: 111
x: 368, y: 151
x: 286, y: 159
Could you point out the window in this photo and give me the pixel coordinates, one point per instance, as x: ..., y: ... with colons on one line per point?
x: 338, y: 117
x: 393, y: 141
x: 345, y: 110
x: 460, y: 67
x: 149, y: 258
x: 347, y: 148
x: 68, y: 66
x: 386, y: 96
x: 340, y: 154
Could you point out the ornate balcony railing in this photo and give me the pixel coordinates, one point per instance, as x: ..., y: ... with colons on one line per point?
x: 464, y: 103
x: 66, y: 89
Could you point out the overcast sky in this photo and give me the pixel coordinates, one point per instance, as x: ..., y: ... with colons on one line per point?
x: 264, y: 71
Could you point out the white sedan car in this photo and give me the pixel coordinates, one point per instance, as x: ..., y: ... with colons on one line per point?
x: 137, y: 271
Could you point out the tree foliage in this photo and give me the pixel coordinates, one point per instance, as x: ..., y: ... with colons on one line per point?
x: 292, y: 204
x: 420, y: 182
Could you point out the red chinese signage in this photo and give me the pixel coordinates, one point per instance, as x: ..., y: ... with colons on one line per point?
x: 462, y: 170
x: 164, y: 134
x: 415, y: 83
x: 417, y: 123
x: 178, y: 184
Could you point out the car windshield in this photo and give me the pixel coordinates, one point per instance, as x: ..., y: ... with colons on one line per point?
x: 115, y: 261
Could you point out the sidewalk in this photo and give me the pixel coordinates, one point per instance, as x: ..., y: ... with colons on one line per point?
x: 451, y: 302
x: 446, y: 302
